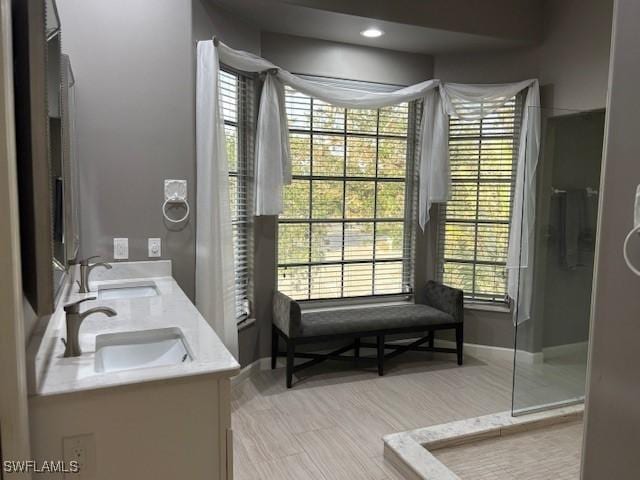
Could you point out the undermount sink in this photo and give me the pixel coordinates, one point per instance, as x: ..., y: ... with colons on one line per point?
x: 140, y: 349
x: 127, y: 290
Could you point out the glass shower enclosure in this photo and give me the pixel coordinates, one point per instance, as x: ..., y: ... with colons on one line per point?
x: 550, y: 354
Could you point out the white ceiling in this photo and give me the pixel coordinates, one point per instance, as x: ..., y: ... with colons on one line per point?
x: 279, y: 17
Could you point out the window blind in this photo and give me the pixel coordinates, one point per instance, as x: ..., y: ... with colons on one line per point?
x: 474, y: 225
x: 237, y: 105
x: 348, y: 220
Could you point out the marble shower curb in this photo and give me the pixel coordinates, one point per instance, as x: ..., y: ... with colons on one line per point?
x: 410, y: 452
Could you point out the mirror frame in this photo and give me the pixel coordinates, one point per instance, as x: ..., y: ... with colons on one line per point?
x: 32, y: 148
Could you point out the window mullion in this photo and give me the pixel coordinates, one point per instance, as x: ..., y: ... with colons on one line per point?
x: 310, y: 225
x: 477, y: 214
x: 375, y: 205
x: 344, y: 200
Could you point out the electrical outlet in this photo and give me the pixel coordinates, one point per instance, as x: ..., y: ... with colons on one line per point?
x: 80, y: 449
x: 120, y: 248
x: 155, y: 247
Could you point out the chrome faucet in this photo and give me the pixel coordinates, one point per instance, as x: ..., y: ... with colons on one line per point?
x: 74, y: 319
x: 85, y: 270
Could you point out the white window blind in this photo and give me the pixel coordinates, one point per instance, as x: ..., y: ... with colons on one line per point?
x: 237, y: 105
x: 474, y: 225
x: 347, y: 226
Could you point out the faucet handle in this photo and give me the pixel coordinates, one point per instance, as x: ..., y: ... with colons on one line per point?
x: 75, y: 306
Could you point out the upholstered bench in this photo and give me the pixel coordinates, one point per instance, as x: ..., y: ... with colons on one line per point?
x: 442, y: 309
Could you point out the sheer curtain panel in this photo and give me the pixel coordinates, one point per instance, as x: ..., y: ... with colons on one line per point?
x: 215, y: 274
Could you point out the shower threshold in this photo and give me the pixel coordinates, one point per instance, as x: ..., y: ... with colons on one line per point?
x: 412, y: 452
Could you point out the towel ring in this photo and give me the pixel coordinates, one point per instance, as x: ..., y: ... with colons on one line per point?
x: 636, y: 229
x: 175, y: 200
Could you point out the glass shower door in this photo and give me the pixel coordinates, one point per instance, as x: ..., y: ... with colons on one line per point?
x: 550, y: 354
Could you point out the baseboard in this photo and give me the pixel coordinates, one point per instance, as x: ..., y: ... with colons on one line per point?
x: 489, y: 352
x: 529, y: 358
x: 482, y: 352
x: 259, y: 365
x: 578, y: 348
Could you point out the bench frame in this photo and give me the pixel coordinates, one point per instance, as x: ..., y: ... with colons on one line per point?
x: 380, y: 346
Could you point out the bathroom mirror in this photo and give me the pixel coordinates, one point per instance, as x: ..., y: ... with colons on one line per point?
x: 70, y: 162
x: 62, y: 151
x: 56, y: 166
x: 47, y: 158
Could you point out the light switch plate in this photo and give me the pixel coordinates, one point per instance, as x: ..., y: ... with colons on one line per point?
x: 155, y: 247
x: 120, y: 248
x: 175, y: 190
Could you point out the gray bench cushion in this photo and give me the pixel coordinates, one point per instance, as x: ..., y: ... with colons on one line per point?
x: 440, y: 305
x: 368, y: 319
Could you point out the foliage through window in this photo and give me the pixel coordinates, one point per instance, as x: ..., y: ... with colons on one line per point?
x: 346, y: 230
x: 474, y: 225
x: 237, y: 106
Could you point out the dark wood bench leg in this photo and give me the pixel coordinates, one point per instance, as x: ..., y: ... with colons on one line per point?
x: 381, y: 355
x: 274, y: 347
x: 459, y: 342
x: 290, y: 357
x: 432, y: 338
x: 356, y: 349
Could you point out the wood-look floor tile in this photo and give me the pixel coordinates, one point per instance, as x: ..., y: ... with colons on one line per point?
x: 264, y: 435
x: 247, y: 395
x: 364, y: 428
x: 330, y: 424
x: 293, y: 467
x: 339, y: 457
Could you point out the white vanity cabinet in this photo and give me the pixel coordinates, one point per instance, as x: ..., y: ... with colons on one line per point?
x: 161, y: 422
x: 159, y: 430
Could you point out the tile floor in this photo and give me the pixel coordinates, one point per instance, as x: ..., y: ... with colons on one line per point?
x: 329, y: 426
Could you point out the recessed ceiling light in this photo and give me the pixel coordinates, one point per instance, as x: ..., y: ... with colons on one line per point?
x: 372, y: 33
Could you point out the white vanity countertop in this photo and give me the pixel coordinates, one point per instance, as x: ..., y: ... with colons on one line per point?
x: 52, y: 374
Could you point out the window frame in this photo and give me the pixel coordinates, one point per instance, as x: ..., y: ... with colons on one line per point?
x: 408, y: 220
x: 491, y: 301
x: 245, y: 125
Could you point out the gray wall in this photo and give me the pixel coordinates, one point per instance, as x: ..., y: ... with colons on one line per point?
x: 511, y: 65
x: 575, y: 162
x: 612, y: 424
x: 570, y: 159
x: 573, y: 58
x: 339, y: 60
x: 210, y: 20
x: 134, y: 122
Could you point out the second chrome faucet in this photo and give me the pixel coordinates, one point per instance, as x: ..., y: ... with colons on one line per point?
x: 74, y: 319
x: 85, y: 271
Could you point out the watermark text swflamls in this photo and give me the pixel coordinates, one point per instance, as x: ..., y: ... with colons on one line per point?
x: 46, y: 466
